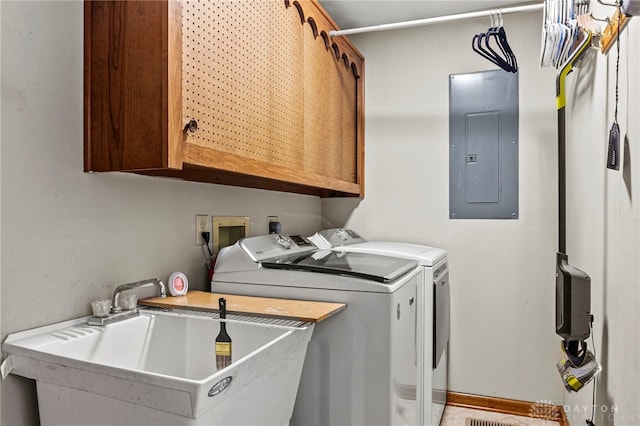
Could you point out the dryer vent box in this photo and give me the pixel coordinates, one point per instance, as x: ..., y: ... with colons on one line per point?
x: 227, y: 230
x: 483, y: 145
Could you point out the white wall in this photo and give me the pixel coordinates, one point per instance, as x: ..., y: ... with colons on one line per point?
x: 68, y: 236
x: 503, y: 340
x: 604, y: 225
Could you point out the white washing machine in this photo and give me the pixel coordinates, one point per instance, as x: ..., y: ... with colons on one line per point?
x: 362, y: 363
x: 434, y: 318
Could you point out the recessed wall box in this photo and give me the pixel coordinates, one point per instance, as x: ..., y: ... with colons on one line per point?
x: 227, y: 230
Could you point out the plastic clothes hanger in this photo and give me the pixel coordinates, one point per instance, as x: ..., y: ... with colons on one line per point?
x: 502, y: 36
x: 505, y: 47
x: 567, y: 29
x: 493, y: 33
x: 546, y: 42
x: 561, y: 30
x: 502, y: 60
x: 562, y: 34
x: 477, y: 47
x: 481, y: 45
x: 587, y: 22
x: 557, y: 33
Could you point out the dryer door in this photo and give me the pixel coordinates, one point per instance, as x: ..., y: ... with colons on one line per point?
x: 440, y: 316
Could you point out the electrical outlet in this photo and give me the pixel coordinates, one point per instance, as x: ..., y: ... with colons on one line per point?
x: 202, y: 225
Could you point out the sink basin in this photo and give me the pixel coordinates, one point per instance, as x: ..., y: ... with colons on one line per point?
x: 159, y: 369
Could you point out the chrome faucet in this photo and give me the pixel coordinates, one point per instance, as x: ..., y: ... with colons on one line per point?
x: 115, y: 306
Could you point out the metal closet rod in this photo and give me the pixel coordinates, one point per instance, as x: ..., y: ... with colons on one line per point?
x: 436, y: 20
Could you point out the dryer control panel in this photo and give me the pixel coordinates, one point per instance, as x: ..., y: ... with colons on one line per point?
x: 275, y: 245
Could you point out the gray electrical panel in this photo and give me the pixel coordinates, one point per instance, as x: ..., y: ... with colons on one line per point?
x: 483, y: 145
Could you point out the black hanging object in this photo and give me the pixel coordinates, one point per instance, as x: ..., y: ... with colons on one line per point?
x: 613, y: 152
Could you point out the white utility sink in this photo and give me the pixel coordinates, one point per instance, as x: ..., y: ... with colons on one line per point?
x: 159, y: 369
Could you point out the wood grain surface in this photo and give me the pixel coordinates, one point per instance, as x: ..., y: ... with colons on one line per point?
x: 508, y: 406
x: 262, y: 306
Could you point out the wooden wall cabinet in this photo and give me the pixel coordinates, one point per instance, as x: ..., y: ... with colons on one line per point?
x: 277, y: 102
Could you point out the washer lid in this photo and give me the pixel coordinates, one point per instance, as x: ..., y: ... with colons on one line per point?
x: 348, y: 240
x: 368, y: 266
x: 427, y: 256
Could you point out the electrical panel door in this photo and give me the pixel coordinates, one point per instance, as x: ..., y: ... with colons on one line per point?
x: 483, y: 145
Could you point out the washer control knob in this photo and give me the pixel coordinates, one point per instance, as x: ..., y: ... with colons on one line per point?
x: 283, y: 242
x: 342, y: 234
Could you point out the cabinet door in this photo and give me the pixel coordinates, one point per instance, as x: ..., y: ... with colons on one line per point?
x: 132, y: 93
x: 125, y: 79
x: 272, y: 97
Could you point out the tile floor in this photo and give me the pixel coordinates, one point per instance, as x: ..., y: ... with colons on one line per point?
x: 455, y: 416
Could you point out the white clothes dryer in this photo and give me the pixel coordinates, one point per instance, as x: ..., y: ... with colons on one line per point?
x: 357, y: 360
x: 434, y: 318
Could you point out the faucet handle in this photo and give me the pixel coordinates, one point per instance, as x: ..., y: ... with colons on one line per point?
x: 162, y: 287
x: 134, y: 285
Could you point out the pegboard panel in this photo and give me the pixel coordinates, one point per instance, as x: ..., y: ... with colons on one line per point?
x: 262, y: 84
x: 330, y: 99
